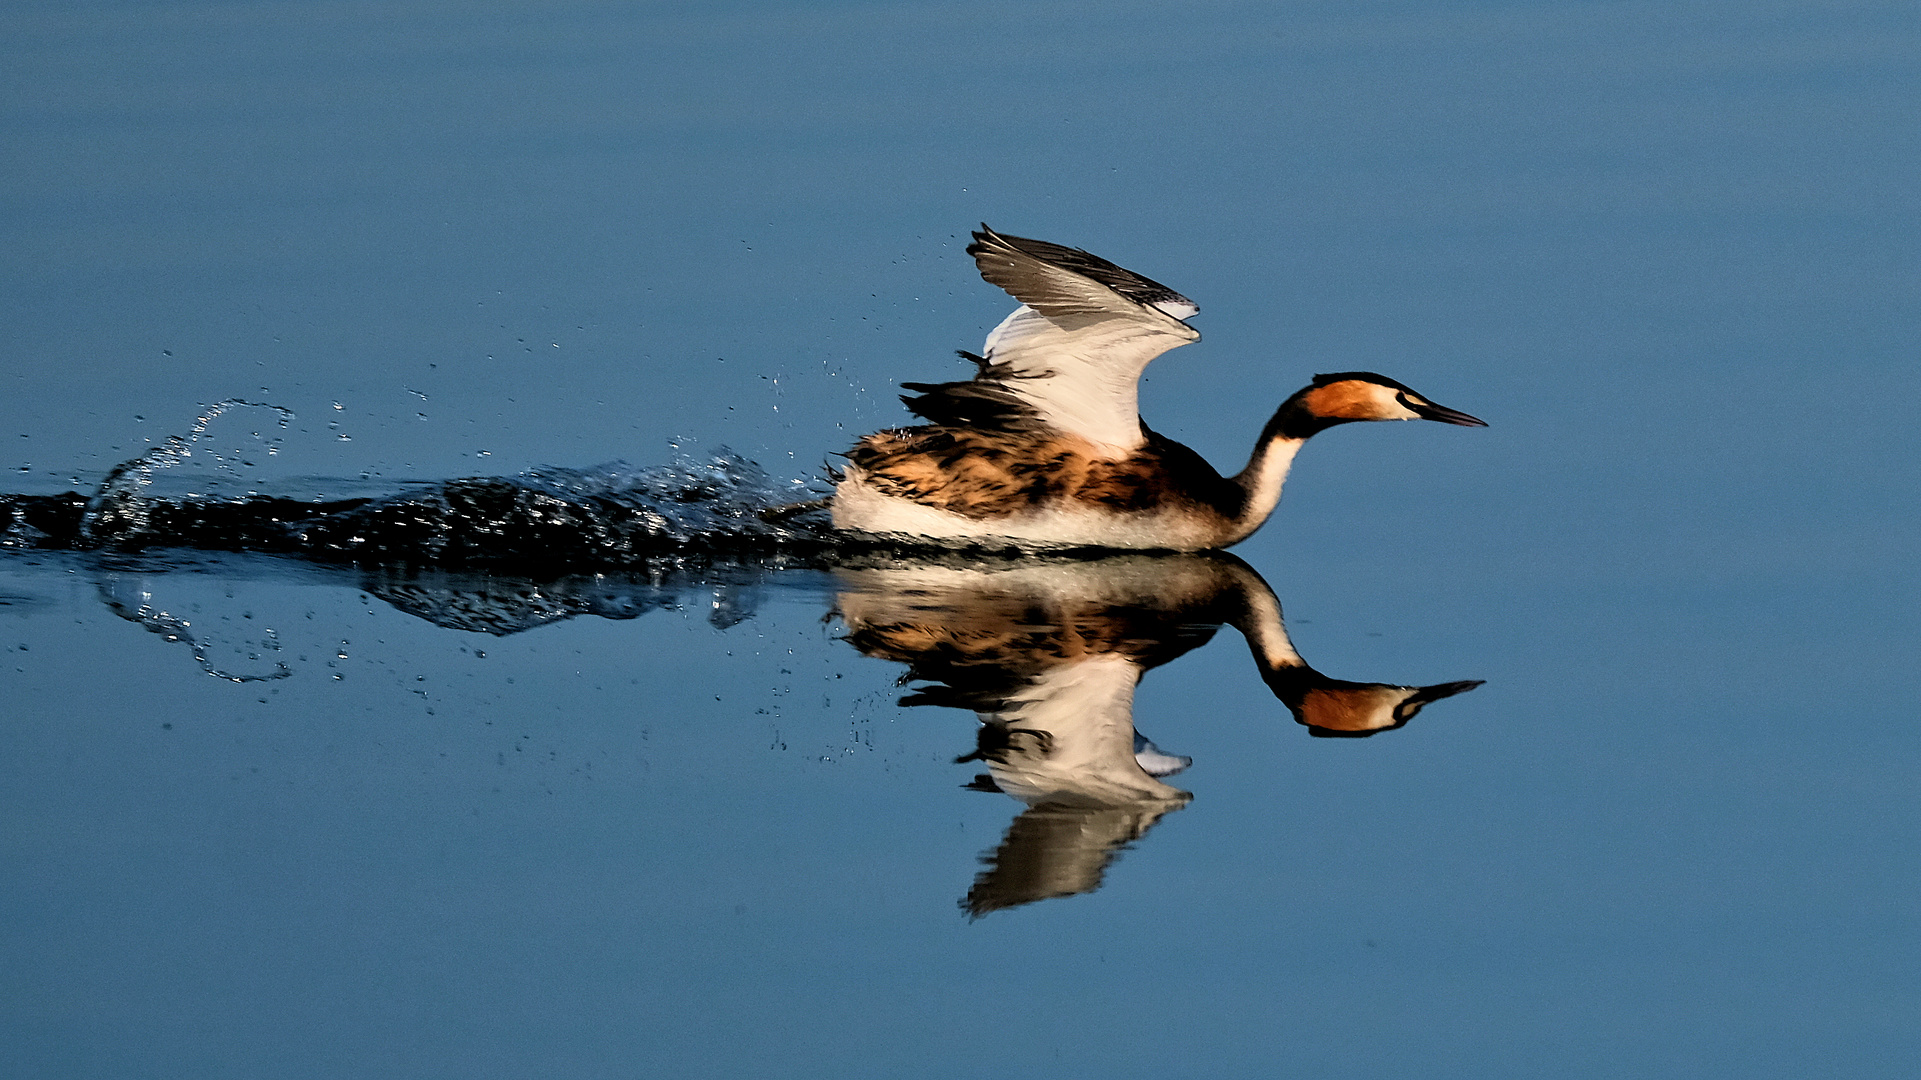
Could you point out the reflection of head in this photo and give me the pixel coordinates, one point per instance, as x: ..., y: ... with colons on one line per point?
x: 1335, y: 709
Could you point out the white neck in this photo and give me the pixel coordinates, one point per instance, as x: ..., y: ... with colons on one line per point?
x: 1262, y: 480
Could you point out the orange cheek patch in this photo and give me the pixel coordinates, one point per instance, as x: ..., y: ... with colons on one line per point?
x: 1343, y: 401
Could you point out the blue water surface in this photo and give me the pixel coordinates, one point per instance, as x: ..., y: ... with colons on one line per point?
x: 266, y: 816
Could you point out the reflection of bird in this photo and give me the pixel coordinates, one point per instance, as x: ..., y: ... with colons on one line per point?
x: 1047, y: 654
x: 1045, y: 445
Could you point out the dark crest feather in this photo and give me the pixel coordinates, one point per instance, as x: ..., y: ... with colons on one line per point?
x: 1330, y: 378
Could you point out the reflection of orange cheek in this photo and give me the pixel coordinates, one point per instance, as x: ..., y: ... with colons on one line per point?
x: 1365, y: 708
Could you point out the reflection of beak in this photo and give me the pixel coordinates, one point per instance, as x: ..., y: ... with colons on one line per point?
x: 1405, y: 710
x: 1431, y: 411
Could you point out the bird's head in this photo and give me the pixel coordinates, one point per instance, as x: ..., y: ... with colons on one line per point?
x: 1348, y: 396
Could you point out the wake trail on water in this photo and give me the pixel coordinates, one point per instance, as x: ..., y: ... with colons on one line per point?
x: 719, y: 505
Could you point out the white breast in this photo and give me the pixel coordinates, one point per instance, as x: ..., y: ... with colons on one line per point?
x: 859, y: 507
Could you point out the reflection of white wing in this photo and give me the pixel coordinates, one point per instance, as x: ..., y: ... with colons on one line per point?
x: 1079, y: 750
x: 1070, y: 753
x: 1055, y: 850
x: 1085, y: 330
x: 1157, y: 762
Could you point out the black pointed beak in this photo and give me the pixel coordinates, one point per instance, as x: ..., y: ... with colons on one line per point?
x: 1430, y: 411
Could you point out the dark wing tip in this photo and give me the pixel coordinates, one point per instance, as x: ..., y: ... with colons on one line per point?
x: 995, y: 254
x: 987, y: 242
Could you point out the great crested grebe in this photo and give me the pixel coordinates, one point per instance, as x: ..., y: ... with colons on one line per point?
x: 1045, y: 444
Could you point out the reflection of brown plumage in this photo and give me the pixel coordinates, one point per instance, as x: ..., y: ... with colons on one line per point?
x: 1022, y: 618
x: 1047, y: 654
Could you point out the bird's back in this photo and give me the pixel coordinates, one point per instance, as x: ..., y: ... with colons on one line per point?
x: 987, y: 474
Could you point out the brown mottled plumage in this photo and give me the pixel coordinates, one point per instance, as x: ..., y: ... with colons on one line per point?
x: 985, y: 474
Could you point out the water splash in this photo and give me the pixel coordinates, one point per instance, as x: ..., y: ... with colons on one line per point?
x: 710, y: 506
x: 120, y: 508
x: 503, y: 604
x: 692, y: 498
x: 135, y: 604
x: 611, y: 514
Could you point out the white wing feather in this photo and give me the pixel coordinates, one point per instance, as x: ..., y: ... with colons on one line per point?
x: 1075, y: 348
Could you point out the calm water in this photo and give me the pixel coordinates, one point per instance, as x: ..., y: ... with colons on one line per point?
x: 275, y: 816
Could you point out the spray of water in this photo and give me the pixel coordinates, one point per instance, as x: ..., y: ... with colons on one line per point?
x: 121, y: 508
x: 135, y: 603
